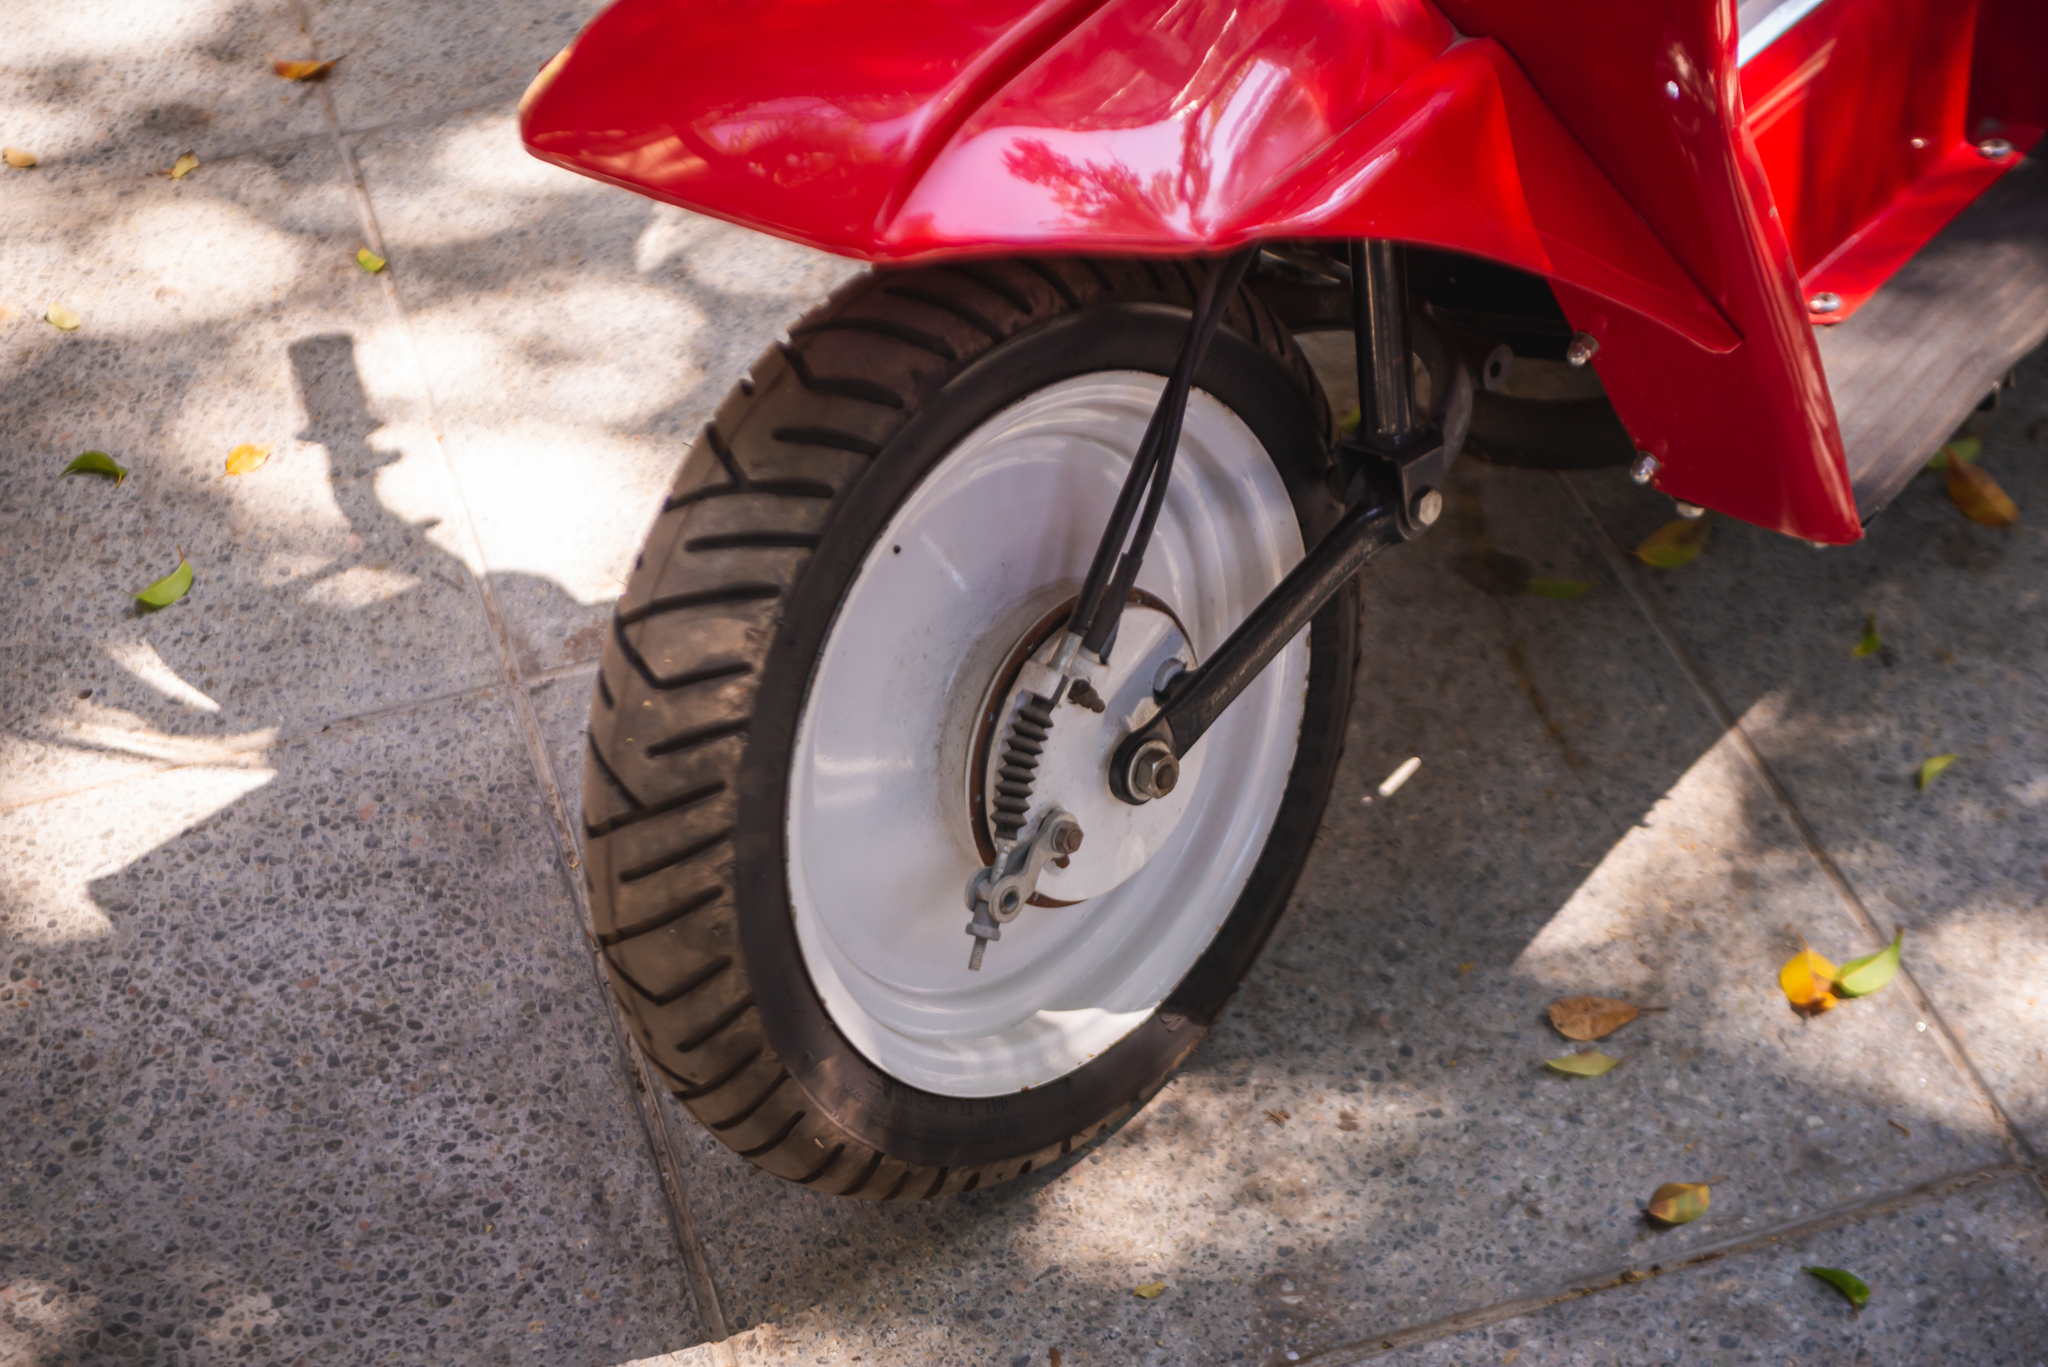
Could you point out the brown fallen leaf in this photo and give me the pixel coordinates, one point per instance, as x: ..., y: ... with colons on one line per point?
x: 1279, y: 1117
x: 1466, y: 968
x: 1347, y: 1121
x: 1589, y: 1018
x: 1900, y: 1128
x: 247, y: 457
x: 1677, y: 1203
x: 1979, y: 496
x: 1808, y: 980
x: 19, y: 158
x: 1052, y: 1357
x: 306, y: 71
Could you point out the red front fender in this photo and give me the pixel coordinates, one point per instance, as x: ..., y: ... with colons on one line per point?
x: 1156, y: 128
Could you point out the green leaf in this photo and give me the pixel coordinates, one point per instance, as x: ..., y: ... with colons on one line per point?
x: 1870, y: 643
x: 1591, y: 1063
x: 1678, y: 542
x: 1847, y: 1283
x: 1861, y: 977
x: 168, y: 589
x: 1352, y: 417
x: 1931, y: 768
x: 1676, y: 1203
x: 369, y: 260
x: 1962, y: 448
x: 1559, y: 588
x: 97, y: 463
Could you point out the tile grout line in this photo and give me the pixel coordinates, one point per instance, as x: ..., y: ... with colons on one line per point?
x: 1951, y: 1047
x: 682, y: 1225
x: 1516, y: 1307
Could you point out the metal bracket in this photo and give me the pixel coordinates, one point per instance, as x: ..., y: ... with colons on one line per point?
x: 997, y: 899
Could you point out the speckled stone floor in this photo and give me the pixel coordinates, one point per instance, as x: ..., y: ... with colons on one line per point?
x: 301, y: 1054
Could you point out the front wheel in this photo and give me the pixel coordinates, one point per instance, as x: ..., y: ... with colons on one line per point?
x: 798, y: 711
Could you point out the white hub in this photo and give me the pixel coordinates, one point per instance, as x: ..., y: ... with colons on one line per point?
x: 880, y: 837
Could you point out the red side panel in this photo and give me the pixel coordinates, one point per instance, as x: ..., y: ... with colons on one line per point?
x: 1649, y: 88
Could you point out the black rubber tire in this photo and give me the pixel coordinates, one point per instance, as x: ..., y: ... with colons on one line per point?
x: 705, y: 673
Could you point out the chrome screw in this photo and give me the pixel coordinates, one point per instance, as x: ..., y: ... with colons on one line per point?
x: 1154, y: 770
x: 1645, y: 468
x: 1066, y: 840
x: 1583, y: 347
x: 1428, y: 507
x: 1827, y: 301
x: 1994, y: 149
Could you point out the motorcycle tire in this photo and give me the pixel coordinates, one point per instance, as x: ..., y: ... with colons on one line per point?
x: 725, y: 630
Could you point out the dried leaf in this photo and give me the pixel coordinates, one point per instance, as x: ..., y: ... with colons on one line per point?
x: 1052, y: 1357
x: 61, y: 318
x: 1848, y: 1284
x: 1588, y: 1063
x: 247, y: 458
x: 1979, y: 496
x: 1808, y: 979
x: 1150, y: 1291
x: 1279, y: 1117
x: 1588, y: 1018
x: 1347, y: 1121
x: 1677, y: 542
x: 305, y: 71
x: 1870, y: 643
x: 1676, y: 1203
x: 183, y: 167
x: 19, y: 158
x: 97, y: 463
x: 168, y: 589
x: 1861, y: 977
x: 1560, y: 588
x: 1962, y: 448
x: 1931, y: 769
x: 1900, y: 1128
x: 369, y: 260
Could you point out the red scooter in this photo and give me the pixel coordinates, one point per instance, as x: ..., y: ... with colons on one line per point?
x: 1014, y: 593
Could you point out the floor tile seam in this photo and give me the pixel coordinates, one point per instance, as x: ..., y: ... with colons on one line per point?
x: 683, y: 1224
x: 1946, y: 1039
x: 234, y: 750
x: 1614, y: 1278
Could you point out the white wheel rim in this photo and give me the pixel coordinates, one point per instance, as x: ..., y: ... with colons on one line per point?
x: 879, y: 845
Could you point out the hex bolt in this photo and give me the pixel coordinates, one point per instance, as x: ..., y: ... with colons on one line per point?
x: 1154, y: 770
x: 1827, y: 301
x: 1427, y: 508
x: 1584, y: 346
x: 1994, y: 149
x: 1066, y: 839
x: 1645, y: 467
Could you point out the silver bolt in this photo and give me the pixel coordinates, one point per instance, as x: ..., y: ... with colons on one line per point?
x: 1066, y: 839
x: 1827, y: 301
x: 1154, y: 770
x: 1645, y: 467
x: 1994, y: 149
x: 1689, y: 510
x: 1429, y: 506
x: 1584, y: 345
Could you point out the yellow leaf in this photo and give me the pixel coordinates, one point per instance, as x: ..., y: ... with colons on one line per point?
x: 1589, y: 1063
x: 18, y: 158
x: 1149, y: 1291
x: 61, y: 318
x: 1586, y: 1018
x: 305, y: 71
x: 1352, y: 417
x: 247, y: 458
x: 1807, y: 979
x: 1675, y: 1203
x: 1979, y: 496
x: 1870, y: 644
x: 1861, y: 977
x: 369, y: 260
x: 1677, y: 542
x: 168, y: 589
x: 1931, y: 769
x: 183, y: 167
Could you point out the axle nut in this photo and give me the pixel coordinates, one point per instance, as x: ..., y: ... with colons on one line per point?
x: 1154, y: 770
x: 1429, y: 506
x: 1066, y: 839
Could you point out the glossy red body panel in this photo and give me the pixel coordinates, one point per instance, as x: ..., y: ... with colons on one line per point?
x: 1860, y: 114
x: 1167, y: 127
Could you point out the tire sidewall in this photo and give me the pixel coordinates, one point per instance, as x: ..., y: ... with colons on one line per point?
x: 892, y: 1116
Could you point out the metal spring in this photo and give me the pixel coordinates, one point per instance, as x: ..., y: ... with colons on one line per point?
x: 1025, y: 743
